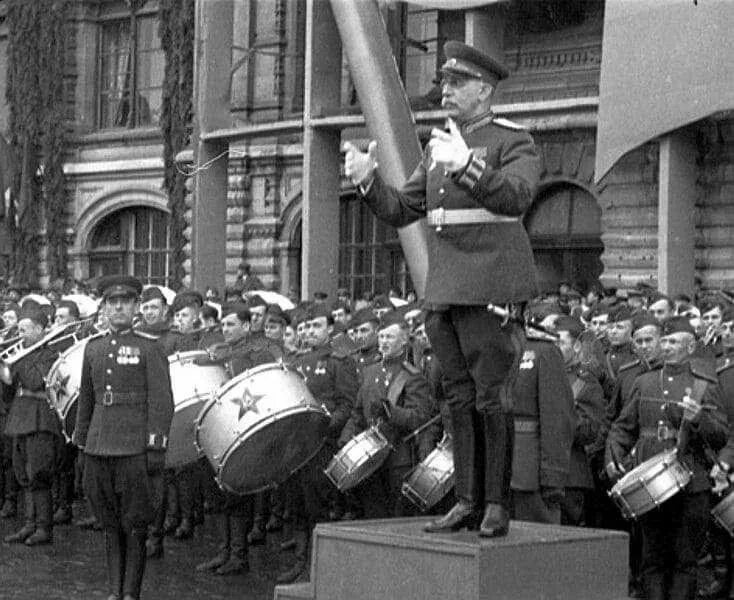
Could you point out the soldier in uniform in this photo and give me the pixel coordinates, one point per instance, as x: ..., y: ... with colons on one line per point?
x: 619, y: 333
x: 35, y: 430
x: 544, y: 428
x: 124, y: 415
x: 395, y: 397
x: 365, y: 323
x: 666, y: 411
x: 473, y: 184
x: 332, y: 379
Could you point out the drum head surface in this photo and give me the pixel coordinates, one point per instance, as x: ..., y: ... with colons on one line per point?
x: 182, y: 436
x: 267, y: 454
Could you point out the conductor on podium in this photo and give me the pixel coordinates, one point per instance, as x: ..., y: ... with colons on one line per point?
x: 475, y: 180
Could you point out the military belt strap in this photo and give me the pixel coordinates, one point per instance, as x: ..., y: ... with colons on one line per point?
x: 25, y: 393
x: 440, y: 217
x: 109, y: 398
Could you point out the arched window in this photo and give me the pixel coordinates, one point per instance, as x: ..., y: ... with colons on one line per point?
x: 564, y: 225
x: 134, y: 241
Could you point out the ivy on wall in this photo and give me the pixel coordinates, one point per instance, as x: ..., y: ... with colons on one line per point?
x: 177, y: 40
x: 37, y: 132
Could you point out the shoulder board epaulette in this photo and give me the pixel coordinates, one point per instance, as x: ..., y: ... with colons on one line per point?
x: 502, y: 122
x: 702, y: 375
x: 143, y: 334
x: 629, y: 365
x: 541, y: 336
x: 411, y: 368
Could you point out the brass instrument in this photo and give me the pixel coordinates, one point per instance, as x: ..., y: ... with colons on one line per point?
x: 12, y: 354
x: 9, y: 341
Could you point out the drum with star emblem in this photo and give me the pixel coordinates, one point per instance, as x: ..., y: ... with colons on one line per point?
x: 260, y: 427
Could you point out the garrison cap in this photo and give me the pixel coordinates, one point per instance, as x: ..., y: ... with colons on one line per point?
x: 677, y: 325
x: 35, y: 313
x: 571, y: 324
x: 465, y: 61
x: 320, y: 310
x: 621, y: 313
x: 276, y: 313
x: 644, y: 319
x: 363, y: 316
x: 256, y: 300
x: 392, y: 317
x: 657, y: 297
x: 298, y: 315
x: 187, y: 298
x: 153, y: 293
x: 381, y: 301
x: 112, y: 286
x: 599, y: 310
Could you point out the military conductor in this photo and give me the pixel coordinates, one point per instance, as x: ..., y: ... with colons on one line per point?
x: 124, y: 416
x: 473, y: 184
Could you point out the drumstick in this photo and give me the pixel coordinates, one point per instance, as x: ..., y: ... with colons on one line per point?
x: 425, y: 425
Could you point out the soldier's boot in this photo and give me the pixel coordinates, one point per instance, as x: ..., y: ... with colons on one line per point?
x: 654, y: 585
x: 115, y: 549
x: 63, y: 514
x: 44, y: 533
x: 682, y: 586
x: 277, y: 504
x: 498, y: 434
x: 465, y: 512
x: 256, y: 536
x: 172, y: 512
x: 299, y: 568
x: 186, y: 491
x: 29, y: 521
x: 154, y: 546
x: 134, y: 563
x: 237, y: 561
x: 222, y: 556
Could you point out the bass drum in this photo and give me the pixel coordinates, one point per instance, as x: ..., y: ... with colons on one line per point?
x: 723, y: 512
x: 259, y: 428
x: 358, y: 459
x: 63, y: 383
x: 650, y: 484
x: 193, y: 381
x: 427, y: 484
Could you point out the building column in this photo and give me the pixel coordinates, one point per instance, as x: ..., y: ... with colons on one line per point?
x: 212, y: 64
x: 676, y: 213
x: 321, y: 154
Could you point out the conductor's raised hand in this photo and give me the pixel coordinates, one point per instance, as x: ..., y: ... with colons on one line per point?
x: 448, y: 149
x: 360, y: 166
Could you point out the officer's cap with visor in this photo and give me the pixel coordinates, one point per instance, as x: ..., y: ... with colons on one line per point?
x: 119, y: 286
x: 469, y: 63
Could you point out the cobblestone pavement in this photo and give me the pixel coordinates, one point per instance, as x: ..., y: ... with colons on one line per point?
x: 73, y: 568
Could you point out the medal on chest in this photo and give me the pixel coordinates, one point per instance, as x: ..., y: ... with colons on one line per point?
x: 128, y: 355
x: 528, y: 359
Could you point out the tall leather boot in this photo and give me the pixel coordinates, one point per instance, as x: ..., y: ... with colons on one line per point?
x: 256, y: 536
x: 134, y: 564
x: 186, y: 491
x: 29, y: 523
x: 654, y: 585
x: 498, y: 438
x: 237, y: 562
x: 170, y: 523
x: 222, y: 555
x: 682, y: 587
x: 115, y: 549
x: 465, y: 512
x: 43, y: 504
x: 300, y: 565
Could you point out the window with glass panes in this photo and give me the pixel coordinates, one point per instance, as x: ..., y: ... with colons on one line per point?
x: 370, y: 256
x: 132, y: 241
x: 130, y: 76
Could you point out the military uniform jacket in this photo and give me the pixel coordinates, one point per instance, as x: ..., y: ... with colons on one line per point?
x: 169, y: 339
x: 725, y: 372
x: 618, y: 356
x: 365, y: 358
x: 30, y: 410
x: 626, y: 377
x: 544, y: 419
x: 332, y: 379
x: 125, y: 403
x: 649, y: 423
x: 250, y: 352
x: 477, y: 263
x: 590, y: 408
x: 409, y: 395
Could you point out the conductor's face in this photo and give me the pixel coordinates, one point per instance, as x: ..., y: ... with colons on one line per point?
x: 120, y: 311
x: 464, y: 98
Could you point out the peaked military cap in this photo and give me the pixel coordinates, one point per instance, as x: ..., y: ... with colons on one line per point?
x: 119, y: 285
x: 677, y: 325
x: 465, y: 61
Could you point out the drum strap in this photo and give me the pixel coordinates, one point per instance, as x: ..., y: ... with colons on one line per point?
x: 396, y: 386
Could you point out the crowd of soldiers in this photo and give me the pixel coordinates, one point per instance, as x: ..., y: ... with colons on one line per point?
x: 606, y: 381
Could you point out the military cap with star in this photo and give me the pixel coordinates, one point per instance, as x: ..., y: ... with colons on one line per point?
x: 465, y: 61
x: 113, y: 286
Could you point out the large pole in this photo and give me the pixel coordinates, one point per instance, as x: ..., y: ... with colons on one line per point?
x: 386, y: 111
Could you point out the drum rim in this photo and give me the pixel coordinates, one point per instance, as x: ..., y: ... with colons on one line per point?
x: 173, y: 358
x: 227, y: 385
x: 656, y: 461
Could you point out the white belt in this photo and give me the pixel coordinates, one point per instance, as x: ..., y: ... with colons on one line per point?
x: 439, y: 217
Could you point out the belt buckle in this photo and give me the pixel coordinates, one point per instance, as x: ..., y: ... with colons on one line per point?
x: 107, y: 398
x: 439, y: 218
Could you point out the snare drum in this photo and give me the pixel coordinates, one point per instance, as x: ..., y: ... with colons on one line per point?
x: 193, y: 381
x: 358, y: 459
x: 63, y: 383
x: 650, y: 484
x: 723, y: 512
x: 259, y: 428
x: 432, y: 479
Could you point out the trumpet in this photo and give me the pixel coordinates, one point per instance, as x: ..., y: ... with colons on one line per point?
x: 12, y: 354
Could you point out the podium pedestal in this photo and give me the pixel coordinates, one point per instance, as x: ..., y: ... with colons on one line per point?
x: 394, y: 559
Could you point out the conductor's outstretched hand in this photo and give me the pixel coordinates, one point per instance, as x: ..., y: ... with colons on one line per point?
x: 360, y: 166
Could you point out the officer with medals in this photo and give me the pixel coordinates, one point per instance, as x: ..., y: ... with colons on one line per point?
x: 677, y: 406
x: 124, y: 415
x: 395, y: 397
x: 544, y: 428
x: 473, y: 185
x: 332, y: 379
x: 34, y: 428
